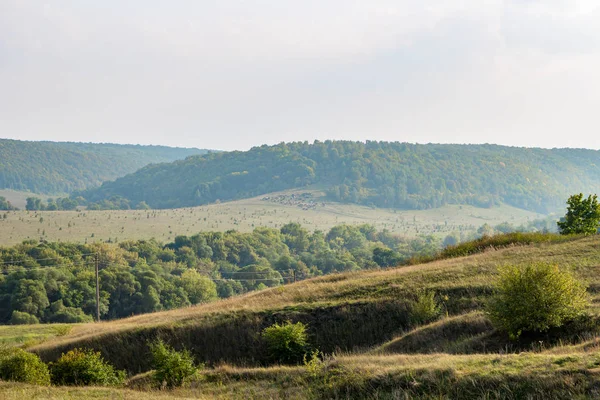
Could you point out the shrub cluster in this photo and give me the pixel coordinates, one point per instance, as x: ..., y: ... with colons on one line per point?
x: 84, y: 367
x: 286, y: 343
x: 171, y: 368
x: 535, y: 298
x: 426, y: 308
x: 21, y: 366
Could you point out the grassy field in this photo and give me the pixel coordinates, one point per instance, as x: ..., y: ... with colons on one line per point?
x: 362, y: 322
x: 29, y: 335
x: 244, y: 215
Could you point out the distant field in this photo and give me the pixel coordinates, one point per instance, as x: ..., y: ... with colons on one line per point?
x: 26, y: 335
x: 244, y: 215
x: 19, y: 199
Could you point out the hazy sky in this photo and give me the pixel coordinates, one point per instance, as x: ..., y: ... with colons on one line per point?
x: 230, y: 74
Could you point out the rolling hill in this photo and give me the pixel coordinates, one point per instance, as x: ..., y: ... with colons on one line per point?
x: 375, y: 349
x: 380, y: 174
x: 62, y: 167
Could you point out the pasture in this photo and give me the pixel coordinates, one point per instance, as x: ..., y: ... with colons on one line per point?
x: 273, y: 210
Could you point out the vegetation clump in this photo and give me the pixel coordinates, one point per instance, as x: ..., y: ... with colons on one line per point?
x: 535, y: 298
x: 23, y: 318
x: 171, y: 368
x: 286, y: 343
x: 81, y: 367
x: 426, y: 308
x: 583, y: 216
x: 21, y: 366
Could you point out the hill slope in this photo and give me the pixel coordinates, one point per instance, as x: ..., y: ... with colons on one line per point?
x: 53, y: 167
x: 344, y: 312
x: 393, y: 175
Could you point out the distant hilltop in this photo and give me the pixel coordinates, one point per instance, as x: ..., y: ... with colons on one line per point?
x: 62, y: 167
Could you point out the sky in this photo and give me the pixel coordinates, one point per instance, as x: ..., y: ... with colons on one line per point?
x: 232, y: 74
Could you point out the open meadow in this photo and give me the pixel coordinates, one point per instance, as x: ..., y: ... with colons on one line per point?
x: 274, y: 210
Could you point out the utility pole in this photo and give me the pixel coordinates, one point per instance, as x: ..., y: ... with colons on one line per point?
x: 294, y: 273
x: 97, y: 261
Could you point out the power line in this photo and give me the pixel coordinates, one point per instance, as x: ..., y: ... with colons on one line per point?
x: 43, y: 259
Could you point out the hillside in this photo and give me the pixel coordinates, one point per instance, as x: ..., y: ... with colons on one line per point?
x: 365, y: 319
x: 389, y: 175
x: 55, y: 167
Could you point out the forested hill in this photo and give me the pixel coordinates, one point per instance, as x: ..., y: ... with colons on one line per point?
x: 54, y: 167
x: 382, y: 174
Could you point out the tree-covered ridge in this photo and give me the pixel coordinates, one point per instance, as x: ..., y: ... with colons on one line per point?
x: 54, y: 282
x: 382, y: 174
x: 53, y: 167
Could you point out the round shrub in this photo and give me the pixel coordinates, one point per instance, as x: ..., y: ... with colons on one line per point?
x: 22, y: 366
x: 23, y: 318
x: 286, y: 343
x: 171, y: 368
x: 81, y: 367
x: 535, y: 298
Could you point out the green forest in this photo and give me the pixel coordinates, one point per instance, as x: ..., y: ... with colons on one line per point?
x: 55, y: 282
x: 54, y: 167
x: 380, y: 174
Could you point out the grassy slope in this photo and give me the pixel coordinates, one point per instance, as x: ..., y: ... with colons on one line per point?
x: 335, y: 300
x: 243, y: 215
x: 362, y: 317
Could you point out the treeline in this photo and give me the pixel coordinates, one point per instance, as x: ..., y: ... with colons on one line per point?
x: 382, y: 174
x: 53, y: 167
x: 54, y: 282
x: 5, y: 205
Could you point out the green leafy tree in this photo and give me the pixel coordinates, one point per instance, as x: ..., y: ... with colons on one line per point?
x: 535, y: 298
x: 199, y: 288
x: 23, y: 318
x: 583, y: 215
x: 30, y: 297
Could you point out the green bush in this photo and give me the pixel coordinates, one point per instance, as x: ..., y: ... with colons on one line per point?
x: 535, y: 298
x: 426, y: 308
x: 22, y: 366
x: 286, y: 343
x: 81, y: 367
x: 171, y: 368
x: 23, y: 318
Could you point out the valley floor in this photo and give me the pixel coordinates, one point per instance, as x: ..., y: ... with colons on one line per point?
x: 274, y: 210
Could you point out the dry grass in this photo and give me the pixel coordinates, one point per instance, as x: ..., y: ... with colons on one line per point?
x: 242, y: 215
x: 453, y: 275
x: 459, y: 356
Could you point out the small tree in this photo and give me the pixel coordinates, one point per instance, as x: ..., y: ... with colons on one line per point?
x: 535, y: 298
x: 286, y: 343
x: 583, y: 216
x: 171, y: 368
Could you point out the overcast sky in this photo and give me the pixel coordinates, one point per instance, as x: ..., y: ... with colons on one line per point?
x: 231, y: 74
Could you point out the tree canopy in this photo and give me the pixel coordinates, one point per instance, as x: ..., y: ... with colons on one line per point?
x: 583, y: 215
x: 53, y: 167
x: 382, y: 174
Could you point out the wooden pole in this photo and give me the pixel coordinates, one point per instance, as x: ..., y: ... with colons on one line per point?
x: 97, y: 290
